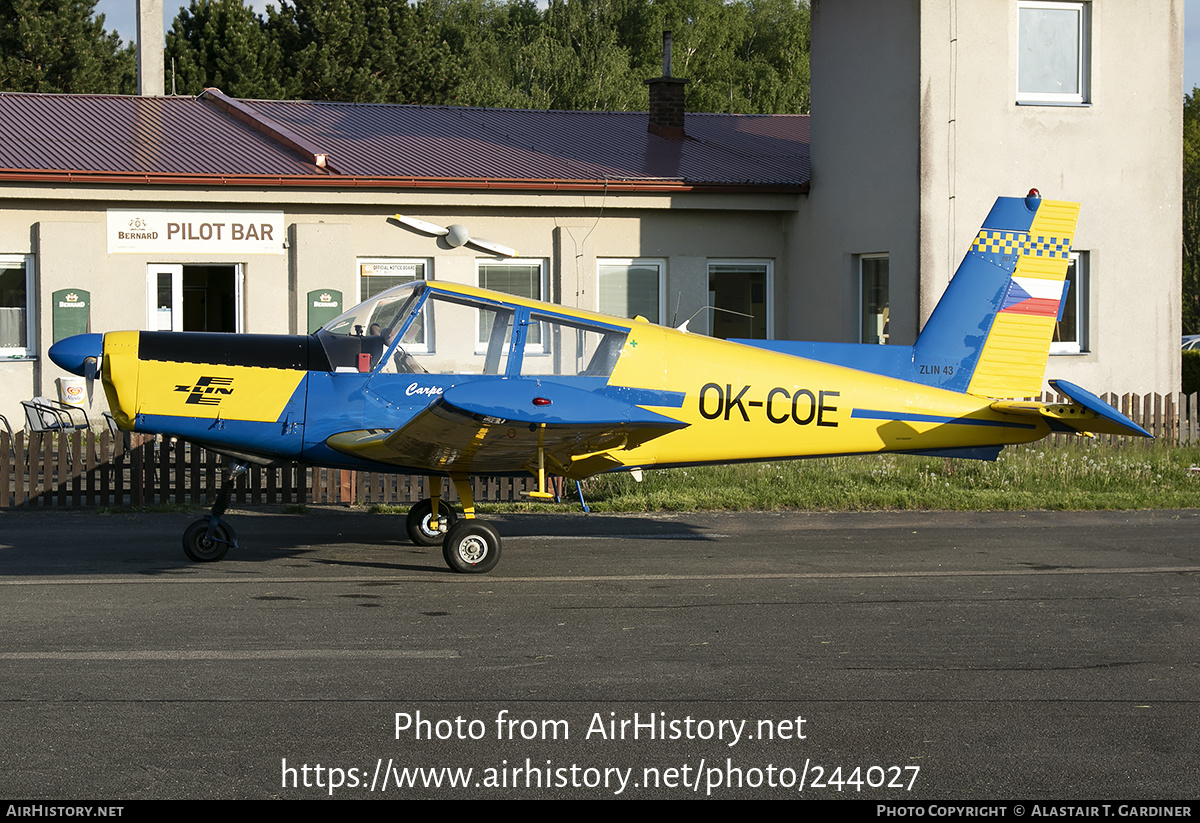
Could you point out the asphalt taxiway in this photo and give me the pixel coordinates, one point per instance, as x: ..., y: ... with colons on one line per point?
x: 900, y: 656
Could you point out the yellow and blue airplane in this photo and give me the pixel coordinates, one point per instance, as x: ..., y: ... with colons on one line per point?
x: 450, y: 380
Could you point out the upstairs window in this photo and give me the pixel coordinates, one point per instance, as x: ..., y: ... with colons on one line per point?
x: 1052, y: 59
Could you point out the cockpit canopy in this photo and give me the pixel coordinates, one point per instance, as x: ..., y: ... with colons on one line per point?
x: 418, y: 328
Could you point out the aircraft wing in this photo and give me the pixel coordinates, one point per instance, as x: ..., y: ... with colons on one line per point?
x: 494, y: 426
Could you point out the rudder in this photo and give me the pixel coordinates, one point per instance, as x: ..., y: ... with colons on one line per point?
x: 990, y: 333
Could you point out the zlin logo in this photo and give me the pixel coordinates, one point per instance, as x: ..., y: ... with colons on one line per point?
x: 201, y: 393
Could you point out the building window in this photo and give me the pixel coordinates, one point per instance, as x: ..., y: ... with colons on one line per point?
x: 375, y: 276
x: 1052, y: 61
x: 16, y: 315
x: 873, y: 298
x: 632, y: 288
x: 1070, y: 332
x: 739, y: 292
x: 520, y: 278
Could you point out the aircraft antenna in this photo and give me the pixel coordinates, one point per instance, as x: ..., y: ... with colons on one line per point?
x: 683, y: 326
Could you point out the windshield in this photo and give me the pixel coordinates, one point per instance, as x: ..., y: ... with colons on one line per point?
x: 356, y: 340
x: 381, y: 316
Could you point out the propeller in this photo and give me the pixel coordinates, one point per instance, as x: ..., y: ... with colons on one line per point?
x: 91, y: 367
x: 456, y: 235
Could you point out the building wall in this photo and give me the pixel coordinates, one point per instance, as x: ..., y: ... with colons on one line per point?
x: 865, y: 183
x: 916, y: 129
x: 1119, y: 155
x: 327, y: 235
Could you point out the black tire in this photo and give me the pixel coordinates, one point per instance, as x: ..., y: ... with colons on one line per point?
x: 471, y: 547
x: 198, y: 547
x: 417, y: 523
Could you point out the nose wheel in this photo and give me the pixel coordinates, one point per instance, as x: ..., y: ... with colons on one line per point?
x: 209, y: 538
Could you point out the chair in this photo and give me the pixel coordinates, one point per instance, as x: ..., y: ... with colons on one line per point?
x: 43, y: 414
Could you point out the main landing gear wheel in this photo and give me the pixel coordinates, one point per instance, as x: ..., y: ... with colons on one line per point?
x: 471, y: 547
x: 202, y: 547
x: 419, y: 516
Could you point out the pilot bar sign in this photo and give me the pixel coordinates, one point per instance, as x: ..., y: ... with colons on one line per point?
x: 165, y: 231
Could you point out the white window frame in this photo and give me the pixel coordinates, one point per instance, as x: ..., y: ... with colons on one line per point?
x: 25, y: 352
x: 643, y: 262
x: 768, y: 264
x: 1081, y: 299
x: 543, y: 284
x: 176, y: 272
x: 1082, y: 59
x: 862, y: 294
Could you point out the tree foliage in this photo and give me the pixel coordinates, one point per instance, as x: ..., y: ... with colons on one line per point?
x: 223, y: 43
x: 741, y: 55
x: 1191, y: 212
x: 361, y: 51
x: 59, y: 46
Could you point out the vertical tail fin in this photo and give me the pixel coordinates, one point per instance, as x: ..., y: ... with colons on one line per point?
x: 990, y: 333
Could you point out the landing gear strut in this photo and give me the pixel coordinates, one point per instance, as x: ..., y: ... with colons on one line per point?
x: 210, y: 537
x: 469, y: 545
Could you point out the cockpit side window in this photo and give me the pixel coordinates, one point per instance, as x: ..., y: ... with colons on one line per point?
x: 574, y: 347
x: 416, y: 329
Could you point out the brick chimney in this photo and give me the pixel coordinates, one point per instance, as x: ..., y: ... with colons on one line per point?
x: 667, y: 104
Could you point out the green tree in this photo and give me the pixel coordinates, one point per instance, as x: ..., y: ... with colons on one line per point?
x: 1191, y: 212
x: 223, y: 43
x: 485, y: 38
x: 59, y: 46
x: 362, y: 51
x: 748, y: 56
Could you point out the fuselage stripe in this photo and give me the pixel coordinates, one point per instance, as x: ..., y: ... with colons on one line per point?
x: 909, y: 417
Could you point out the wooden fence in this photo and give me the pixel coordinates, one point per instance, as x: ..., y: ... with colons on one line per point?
x: 88, y: 469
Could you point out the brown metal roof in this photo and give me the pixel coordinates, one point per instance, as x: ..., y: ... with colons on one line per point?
x: 215, y: 140
x: 156, y: 135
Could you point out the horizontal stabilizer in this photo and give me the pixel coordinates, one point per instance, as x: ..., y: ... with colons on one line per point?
x: 1086, y: 414
x: 1091, y: 402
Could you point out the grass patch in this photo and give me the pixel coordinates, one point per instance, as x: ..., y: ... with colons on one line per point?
x: 1080, y: 476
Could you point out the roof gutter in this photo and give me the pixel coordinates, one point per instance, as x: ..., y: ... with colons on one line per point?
x: 355, y: 182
